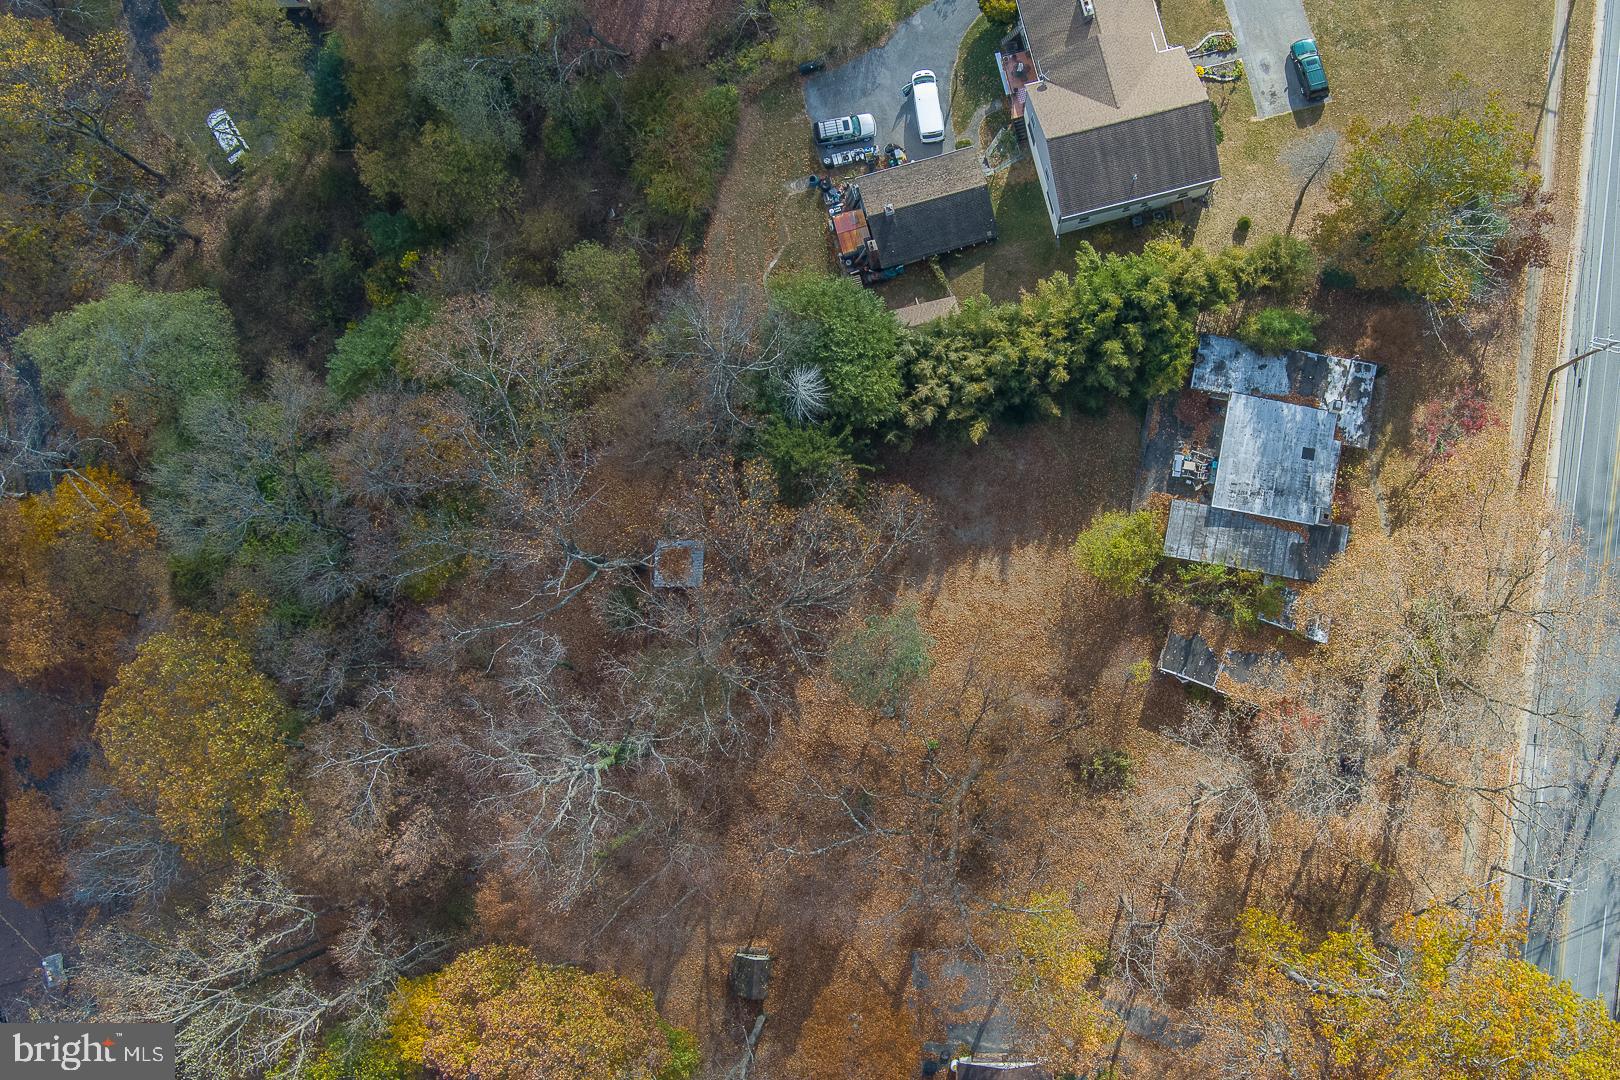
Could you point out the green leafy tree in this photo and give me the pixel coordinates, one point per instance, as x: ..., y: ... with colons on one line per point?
x: 494, y: 56
x: 195, y: 734
x: 848, y: 333
x: 879, y: 662
x: 1000, y: 12
x: 445, y: 179
x: 1121, y: 550
x: 368, y: 353
x: 804, y: 457
x: 136, y: 357
x: 1243, y: 596
x: 495, y: 1011
x: 606, y: 282
x: 1281, y: 264
x: 976, y: 365
x: 1138, y: 315
x: 1426, y: 205
x: 1275, y: 330
x: 681, y: 129
x: 242, y: 56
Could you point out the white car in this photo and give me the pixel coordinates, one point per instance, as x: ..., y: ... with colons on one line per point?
x: 925, y: 99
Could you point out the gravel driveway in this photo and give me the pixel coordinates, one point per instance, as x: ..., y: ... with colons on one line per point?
x: 871, y: 82
x: 1265, y: 29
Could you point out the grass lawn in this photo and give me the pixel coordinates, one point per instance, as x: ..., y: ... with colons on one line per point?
x: 977, y: 82
x: 1385, y: 61
x: 1026, y: 250
x: 760, y: 222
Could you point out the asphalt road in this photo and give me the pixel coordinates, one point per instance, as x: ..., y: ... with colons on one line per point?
x: 1265, y: 29
x: 1583, y: 943
x: 871, y: 83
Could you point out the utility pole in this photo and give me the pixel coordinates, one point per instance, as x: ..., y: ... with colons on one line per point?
x: 1529, y: 443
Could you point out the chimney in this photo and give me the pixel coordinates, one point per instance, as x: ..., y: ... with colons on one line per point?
x: 1088, y: 9
x: 888, y: 210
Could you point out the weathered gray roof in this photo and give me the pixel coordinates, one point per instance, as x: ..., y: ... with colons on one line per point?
x: 1000, y: 1070
x: 1251, y: 668
x: 1201, y: 533
x: 1316, y: 629
x: 1278, y: 460
x: 925, y: 311
x: 1190, y: 659
x: 1341, y: 385
x: 927, y: 207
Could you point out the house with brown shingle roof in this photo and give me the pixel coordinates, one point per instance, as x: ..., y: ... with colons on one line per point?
x: 1118, y: 121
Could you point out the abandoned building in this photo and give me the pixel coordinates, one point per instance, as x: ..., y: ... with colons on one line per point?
x: 1190, y: 659
x: 1002, y: 1068
x: 1343, y: 386
x: 1257, y: 494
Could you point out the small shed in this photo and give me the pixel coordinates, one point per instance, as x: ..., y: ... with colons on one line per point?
x: 750, y: 973
x: 923, y: 312
x: 677, y: 564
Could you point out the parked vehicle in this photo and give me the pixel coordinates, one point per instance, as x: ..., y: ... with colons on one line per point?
x: 844, y: 129
x: 1308, y: 63
x: 226, y: 134
x: 839, y: 158
x: 925, y: 100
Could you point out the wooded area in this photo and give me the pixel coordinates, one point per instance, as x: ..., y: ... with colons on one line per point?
x: 438, y: 638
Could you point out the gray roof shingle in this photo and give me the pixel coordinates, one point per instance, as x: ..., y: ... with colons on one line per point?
x: 1123, y: 112
x: 939, y: 204
x: 1137, y: 158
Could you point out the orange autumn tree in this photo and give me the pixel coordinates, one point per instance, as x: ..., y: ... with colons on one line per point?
x: 34, y: 846
x: 496, y: 1011
x: 1049, y: 969
x: 193, y: 732
x: 1444, y: 997
x: 82, y: 564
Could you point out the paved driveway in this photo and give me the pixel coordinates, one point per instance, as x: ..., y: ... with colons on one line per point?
x: 871, y: 83
x: 1265, y: 29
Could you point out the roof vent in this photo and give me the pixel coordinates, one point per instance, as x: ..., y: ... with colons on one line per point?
x: 1308, y: 454
x: 888, y: 209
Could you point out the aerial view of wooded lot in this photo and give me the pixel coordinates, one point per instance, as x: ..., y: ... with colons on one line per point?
x: 810, y: 539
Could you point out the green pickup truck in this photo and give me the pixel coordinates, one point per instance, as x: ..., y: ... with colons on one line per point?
x: 1308, y: 62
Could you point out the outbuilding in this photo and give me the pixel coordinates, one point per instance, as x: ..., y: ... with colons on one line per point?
x: 923, y: 208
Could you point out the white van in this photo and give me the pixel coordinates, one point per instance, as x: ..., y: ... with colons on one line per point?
x: 925, y: 96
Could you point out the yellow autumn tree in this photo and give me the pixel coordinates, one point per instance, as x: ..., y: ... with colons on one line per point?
x: 497, y: 1012
x: 194, y: 732
x: 1049, y: 968
x: 1444, y: 997
x: 81, y: 566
